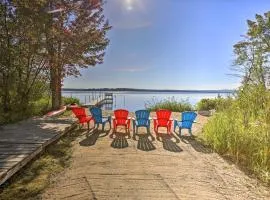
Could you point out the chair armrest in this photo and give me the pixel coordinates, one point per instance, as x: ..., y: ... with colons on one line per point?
x: 171, y: 119
x: 150, y: 118
x: 113, y: 117
x: 133, y: 118
x: 154, y: 118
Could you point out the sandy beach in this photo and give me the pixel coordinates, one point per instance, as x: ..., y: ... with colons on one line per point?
x: 106, y: 166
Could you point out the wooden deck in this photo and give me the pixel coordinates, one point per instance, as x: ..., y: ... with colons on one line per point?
x: 21, y: 142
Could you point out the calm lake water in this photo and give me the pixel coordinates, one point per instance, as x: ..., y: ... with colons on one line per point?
x: 133, y: 101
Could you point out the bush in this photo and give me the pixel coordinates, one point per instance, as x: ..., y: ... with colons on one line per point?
x: 34, y: 108
x: 216, y: 103
x: 169, y: 104
x: 242, y: 131
x: 70, y: 100
x: 206, y: 104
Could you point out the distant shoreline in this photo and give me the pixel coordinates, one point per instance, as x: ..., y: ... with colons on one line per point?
x: 143, y: 90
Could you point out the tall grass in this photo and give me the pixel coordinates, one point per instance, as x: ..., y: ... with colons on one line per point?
x: 169, y: 104
x: 242, y: 131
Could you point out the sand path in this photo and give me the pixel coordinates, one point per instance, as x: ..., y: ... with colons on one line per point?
x: 168, y: 168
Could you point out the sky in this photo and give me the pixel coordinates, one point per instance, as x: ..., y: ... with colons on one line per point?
x: 171, y: 44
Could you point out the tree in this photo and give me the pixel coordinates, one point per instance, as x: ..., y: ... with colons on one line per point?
x: 44, y: 41
x: 23, y: 64
x: 252, y: 53
x: 76, y: 38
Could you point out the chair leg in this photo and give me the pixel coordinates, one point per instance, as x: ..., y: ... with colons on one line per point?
x: 148, y: 130
x: 103, y: 127
x: 174, y: 125
x: 88, y: 126
x: 168, y: 131
x: 179, y: 131
x: 189, y: 130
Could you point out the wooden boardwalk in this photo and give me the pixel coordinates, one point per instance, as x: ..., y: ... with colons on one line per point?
x: 21, y: 142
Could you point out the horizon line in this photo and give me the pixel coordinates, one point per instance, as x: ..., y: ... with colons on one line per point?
x: 147, y: 89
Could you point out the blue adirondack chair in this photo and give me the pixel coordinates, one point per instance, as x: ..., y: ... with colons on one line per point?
x: 97, y: 115
x: 141, y: 120
x: 186, y: 121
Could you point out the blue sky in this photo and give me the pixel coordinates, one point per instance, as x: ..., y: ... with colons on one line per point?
x: 171, y: 44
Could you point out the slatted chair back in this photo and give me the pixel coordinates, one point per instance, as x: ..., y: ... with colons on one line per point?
x: 142, y: 117
x: 79, y: 112
x: 163, y: 116
x: 97, y: 114
x: 121, y: 116
x: 188, y: 119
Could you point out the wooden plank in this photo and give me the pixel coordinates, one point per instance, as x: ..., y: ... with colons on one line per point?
x: 8, y: 164
x: 32, y: 152
x: 12, y: 149
x: 22, y: 141
x: 16, y: 152
x: 12, y: 145
x: 12, y: 156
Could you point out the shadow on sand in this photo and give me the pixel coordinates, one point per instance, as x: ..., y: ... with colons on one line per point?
x: 144, y: 143
x: 197, y: 146
x: 119, y: 139
x: 169, y: 142
x: 92, y: 136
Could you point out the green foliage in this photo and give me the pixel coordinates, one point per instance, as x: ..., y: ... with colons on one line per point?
x: 216, y: 103
x: 35, y: 177
x: 34, y: 108
x: 242, y: 130
x: 70, y: 100
x: 40, y: 48
x: 252, y: 53
x: 169, y: 104
x: 206, y: 104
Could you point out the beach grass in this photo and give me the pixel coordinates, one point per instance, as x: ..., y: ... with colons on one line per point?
x: 242, y: 131
x: 169, y: 104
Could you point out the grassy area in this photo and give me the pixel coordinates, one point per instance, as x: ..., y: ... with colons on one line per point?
x: 36, y: 176
x: 242, y: 131
x: 169, y: 104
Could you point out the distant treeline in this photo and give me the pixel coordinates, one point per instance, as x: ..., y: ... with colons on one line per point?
x: 147, y: 90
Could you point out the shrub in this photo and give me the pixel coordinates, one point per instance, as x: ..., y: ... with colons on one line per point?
x: 34, y: 108
x: 70, y: 100
x: 242, y: 131
x: 169, y: 104
x: 216, y: 103
x: 206, y: 104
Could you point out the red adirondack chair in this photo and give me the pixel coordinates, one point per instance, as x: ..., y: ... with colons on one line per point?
x: 121, y: 119
x: 81, y: 115
x: 163, y: 119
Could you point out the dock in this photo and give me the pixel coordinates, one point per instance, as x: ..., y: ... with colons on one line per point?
x: 23, y: 141
x: 105, y: 99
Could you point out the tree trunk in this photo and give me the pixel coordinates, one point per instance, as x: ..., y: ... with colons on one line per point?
x: 55, y: 87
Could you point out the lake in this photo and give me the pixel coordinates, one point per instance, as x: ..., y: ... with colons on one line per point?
x: 133, y: 101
